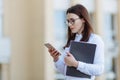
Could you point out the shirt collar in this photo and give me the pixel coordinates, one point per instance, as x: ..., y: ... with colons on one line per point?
x: 78, y: 37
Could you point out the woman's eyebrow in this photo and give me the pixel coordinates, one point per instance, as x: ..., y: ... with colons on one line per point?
x: 70, y: 18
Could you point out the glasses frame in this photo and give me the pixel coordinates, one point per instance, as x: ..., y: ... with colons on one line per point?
x: 71, y: 22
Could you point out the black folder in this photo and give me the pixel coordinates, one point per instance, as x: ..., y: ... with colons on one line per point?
x: 84, y: 52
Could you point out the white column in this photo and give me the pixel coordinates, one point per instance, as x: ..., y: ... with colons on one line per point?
x: 5, y: 72
x: 99, y: 17
x: 118, y: 38
x: 16, y: 27
x: 99, y: 24
x: 49, y: 37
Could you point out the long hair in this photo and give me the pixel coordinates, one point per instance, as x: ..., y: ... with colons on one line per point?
x: 82, y: 12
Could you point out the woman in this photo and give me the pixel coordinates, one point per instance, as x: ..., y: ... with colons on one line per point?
x: 80, y: 29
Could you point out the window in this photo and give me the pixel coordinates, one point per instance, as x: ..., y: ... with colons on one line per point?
x: 60, y: 29
x: 110, y: 29
x: 60, y: 34
x: 4, y: 41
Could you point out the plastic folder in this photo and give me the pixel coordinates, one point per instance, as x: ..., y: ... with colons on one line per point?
x: 84, y: 52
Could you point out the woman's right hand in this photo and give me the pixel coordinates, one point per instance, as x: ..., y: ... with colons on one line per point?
x: 55, y: 54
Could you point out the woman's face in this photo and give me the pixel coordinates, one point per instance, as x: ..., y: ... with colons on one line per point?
x: 75, y: 23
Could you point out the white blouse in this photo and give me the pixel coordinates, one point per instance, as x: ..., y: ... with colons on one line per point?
x: 94, y: 69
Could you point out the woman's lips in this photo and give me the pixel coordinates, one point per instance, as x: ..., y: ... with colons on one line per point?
x: 71, y: 28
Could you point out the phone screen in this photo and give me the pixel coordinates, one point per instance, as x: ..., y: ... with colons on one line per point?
x: 48, y: 45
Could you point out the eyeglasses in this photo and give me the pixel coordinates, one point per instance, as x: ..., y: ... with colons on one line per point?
x: 71, y: 21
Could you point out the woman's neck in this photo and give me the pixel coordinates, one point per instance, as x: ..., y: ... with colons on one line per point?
x: 81, y: 29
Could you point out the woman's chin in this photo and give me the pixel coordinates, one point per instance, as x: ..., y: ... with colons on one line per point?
x: 74, y: 32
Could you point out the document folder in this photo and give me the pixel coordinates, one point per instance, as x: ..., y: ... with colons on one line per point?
x: 84, y: 52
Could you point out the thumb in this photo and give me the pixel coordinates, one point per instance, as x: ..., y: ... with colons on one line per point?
x: 68, y: 54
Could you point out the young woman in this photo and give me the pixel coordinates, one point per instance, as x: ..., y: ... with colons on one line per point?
x: 80, y: 29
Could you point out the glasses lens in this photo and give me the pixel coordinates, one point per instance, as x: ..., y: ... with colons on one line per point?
x: 70, y: 22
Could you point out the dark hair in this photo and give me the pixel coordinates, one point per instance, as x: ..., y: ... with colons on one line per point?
x: 82, y: 12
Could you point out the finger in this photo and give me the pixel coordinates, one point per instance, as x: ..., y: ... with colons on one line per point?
x: 56, y: 54
x: 50, y: 50
x: 65, y: 59
x: 53, y: 53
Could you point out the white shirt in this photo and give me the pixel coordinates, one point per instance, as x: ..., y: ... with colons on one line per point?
x: 94, y: 69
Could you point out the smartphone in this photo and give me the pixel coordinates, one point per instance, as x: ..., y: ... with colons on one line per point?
x: 49, y: 46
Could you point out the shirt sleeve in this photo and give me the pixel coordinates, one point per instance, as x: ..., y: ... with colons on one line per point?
x: 97, y: 67
x: 60, y: 64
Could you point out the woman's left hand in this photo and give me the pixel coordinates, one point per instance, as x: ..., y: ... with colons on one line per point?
x: 70, y: 60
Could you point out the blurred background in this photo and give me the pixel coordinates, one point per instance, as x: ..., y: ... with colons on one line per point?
x: 25, y: 25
